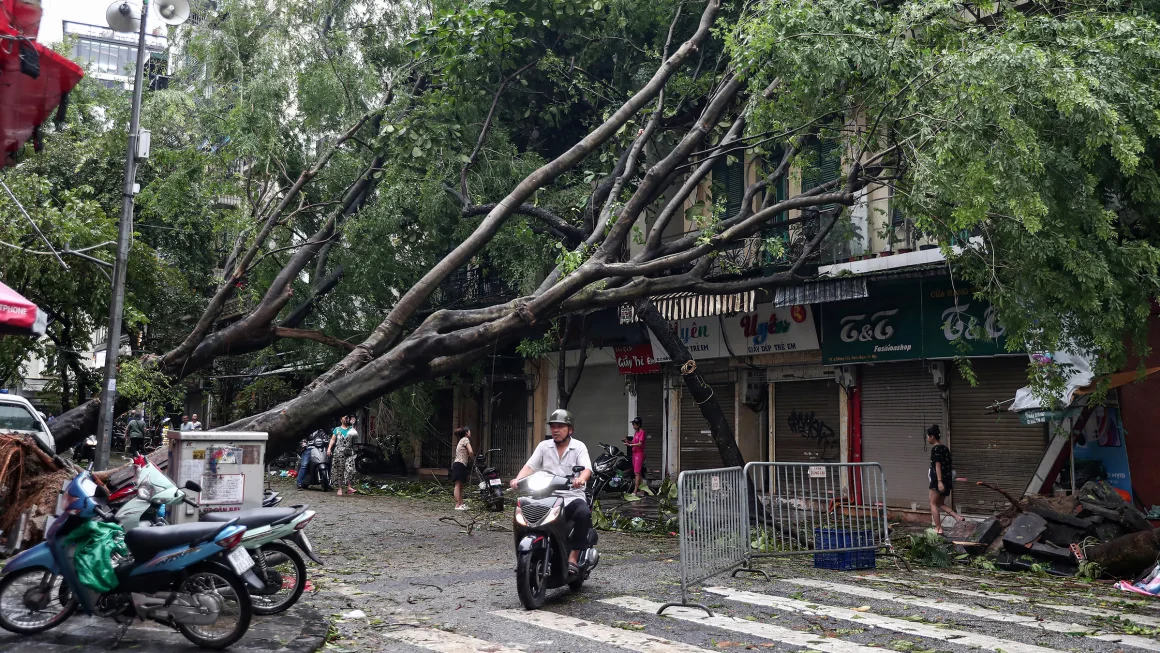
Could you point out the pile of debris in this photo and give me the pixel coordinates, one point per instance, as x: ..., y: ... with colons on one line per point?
x: 1094, y: 529
x: 30, y: 481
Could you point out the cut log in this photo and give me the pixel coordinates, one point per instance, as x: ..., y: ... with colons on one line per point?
x: 1057, y: 517
x: 1127, y: 556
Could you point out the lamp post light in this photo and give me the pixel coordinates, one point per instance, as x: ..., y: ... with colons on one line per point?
x: 124, y: 17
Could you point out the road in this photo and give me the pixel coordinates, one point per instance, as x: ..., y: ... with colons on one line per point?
x: 423, y: 582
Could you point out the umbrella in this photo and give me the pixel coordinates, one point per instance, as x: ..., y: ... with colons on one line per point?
x: 18, y: 315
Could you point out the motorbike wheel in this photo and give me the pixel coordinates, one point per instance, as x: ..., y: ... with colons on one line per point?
x: 288, y: 569
x: 532, y: 578
x: 32, y: 602
x: 236, y: 608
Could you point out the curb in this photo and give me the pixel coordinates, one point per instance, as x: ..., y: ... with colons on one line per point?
x: 313, y: 635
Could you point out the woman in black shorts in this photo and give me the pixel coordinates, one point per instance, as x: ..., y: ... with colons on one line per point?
x: 463, y: 455
x: 940, y: 478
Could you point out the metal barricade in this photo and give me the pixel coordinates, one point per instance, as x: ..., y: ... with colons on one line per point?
x: 800, y: 508
x: 714, y: 526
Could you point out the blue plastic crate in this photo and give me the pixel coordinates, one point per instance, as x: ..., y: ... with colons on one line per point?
x: 836, y: 538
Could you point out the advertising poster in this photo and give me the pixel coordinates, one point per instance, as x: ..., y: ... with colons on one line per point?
x: 1101, y: 452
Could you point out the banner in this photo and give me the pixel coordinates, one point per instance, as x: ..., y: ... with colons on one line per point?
x: 701, y: 335
x: 910, y: 321
x: 636, y: 359
x: 1102, y: 454
x: 768, y: 330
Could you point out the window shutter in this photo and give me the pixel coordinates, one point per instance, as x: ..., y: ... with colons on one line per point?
x: 729, y: 183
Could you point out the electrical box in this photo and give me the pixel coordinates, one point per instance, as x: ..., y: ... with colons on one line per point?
x: 228, y: 465
x: 144, y: 139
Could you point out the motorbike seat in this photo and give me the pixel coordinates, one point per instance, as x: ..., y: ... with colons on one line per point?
x: 144, y: 543
x: 253, y: 518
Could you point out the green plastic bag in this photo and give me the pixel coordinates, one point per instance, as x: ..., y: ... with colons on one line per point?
x: 96, y: 542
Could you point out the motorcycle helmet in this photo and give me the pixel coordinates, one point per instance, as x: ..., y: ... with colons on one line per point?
x: 560, y: 416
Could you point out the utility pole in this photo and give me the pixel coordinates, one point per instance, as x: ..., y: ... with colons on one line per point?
x: 124, y: 236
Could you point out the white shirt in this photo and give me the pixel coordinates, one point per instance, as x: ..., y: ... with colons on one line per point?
x: 547, y: 458
x: 186, y: 426
x: 195, y: 426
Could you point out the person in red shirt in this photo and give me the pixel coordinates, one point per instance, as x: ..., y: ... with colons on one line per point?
x: 636, y: 451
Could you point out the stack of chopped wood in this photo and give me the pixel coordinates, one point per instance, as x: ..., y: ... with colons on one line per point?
x: 1059, y: 534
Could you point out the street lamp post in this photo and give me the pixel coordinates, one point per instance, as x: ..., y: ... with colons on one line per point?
x: 121, y: 19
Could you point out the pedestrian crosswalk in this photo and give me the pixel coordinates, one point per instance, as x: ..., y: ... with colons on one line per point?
x: 780, y: 616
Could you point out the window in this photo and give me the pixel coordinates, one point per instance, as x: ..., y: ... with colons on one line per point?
x: 825, y: 166
x: 17, y: 418
x: 729, y: 184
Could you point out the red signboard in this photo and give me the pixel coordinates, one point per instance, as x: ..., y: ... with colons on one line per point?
x: 637, y: 359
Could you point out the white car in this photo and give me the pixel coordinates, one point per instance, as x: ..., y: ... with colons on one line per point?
x: 18, y: 416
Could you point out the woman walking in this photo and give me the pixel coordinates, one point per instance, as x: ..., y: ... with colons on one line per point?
x: 940, y: 478
x: 342, y: 460
x: 463, y: 454
x: 636, y: 447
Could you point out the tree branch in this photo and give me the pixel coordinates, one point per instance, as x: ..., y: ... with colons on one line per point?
x: 465, y: 194
x: 309, y: 334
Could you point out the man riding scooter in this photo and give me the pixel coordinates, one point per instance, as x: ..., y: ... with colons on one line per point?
x: 558, y: 456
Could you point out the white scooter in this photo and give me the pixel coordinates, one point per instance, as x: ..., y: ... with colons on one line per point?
x: 276, y: 563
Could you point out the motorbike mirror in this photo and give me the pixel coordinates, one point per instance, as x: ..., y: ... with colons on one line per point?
x: 191, y: 485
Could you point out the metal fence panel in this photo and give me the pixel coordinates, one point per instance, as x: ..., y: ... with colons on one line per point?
x: 799, y: 508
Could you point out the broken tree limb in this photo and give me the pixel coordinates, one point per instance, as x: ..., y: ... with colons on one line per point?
x: 1006, y: 495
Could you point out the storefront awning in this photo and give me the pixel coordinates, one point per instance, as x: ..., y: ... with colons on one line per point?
x: 680, y: 306
x: 820, y: 292
x: 18, y: 315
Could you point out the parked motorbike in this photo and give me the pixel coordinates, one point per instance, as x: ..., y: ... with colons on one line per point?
x: 369, y: 458
x: 271, y: 499
x: 318, y: 469
x: 279, y: 565
x: 86, y: 450
x: 611, y: 472
x: 190, y: 577
x: 541, y: 536
x: 490, y: 485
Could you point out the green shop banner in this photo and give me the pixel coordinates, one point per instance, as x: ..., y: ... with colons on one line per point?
x: 908, y: 321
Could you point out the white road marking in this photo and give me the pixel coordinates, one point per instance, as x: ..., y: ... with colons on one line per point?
x: 1122, y: 598
x: 918, y: 629
x: 442, y: 641
x: 1151, y: 622
x: 1033, y: 623
x: 626, y: 639
x: 757, y: 629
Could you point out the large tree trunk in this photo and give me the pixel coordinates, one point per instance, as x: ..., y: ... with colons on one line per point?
x: 701, y: 392
x: 565, y: 387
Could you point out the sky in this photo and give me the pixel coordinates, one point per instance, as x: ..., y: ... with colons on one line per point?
x: 81, y: 11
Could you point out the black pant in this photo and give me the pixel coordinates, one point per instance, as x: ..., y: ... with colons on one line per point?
x: 578, y: 513
x: 136, y: 446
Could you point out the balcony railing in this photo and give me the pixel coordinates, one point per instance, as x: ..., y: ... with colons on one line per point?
x: 471, y: 288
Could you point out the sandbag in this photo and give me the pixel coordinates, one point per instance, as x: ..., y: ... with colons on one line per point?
x: 96, y: 542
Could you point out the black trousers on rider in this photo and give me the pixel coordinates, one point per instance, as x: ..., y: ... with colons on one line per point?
x: 580, y: 515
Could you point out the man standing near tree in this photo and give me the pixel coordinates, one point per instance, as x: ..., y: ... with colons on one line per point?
x: 136, y: 434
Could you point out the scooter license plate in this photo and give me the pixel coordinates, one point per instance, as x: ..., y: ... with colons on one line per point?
x: 240, y: 560
x: 495, y: 481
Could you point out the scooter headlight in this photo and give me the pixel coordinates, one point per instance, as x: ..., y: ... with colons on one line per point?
x: 520, y: 516
x: 539, y: 482
x: 552, y: 514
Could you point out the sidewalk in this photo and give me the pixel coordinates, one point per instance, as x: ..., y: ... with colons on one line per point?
x: 301, y: 629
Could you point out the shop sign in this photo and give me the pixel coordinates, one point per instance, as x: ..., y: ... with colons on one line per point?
x: 636, y: 359
x: 768, y: 330
x: 885, y: 326
x: 701, y: 335
x: 909, y: 322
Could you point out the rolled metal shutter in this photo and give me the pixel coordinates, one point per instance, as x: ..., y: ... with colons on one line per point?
x: 509, y: 427
x: 650, y: 408
x: 698, y: 450
x: 899, y: 401
x: 989, y: 446
x: 807, y: 422
x: 600, y: 407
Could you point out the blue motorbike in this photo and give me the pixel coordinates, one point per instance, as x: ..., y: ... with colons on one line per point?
x: 191, y: 577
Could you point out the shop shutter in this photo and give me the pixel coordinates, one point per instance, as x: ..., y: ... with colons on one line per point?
x: 899, y: 401
x: 650, y: 408
x: 509, y: 427
x: 600, y: 407
x: 806, y: 426
x: 989, y: 446
x: 698, y: 450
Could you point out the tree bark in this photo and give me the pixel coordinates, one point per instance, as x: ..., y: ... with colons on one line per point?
x: 701, y: 392
x: 564, y: 388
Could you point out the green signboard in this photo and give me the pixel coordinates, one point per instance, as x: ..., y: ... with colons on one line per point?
x: 908, y: 321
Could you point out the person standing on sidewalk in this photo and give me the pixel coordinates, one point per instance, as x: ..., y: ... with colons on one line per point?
x: 135, y: 432
x: 463, y: 454
x: 636, y: 451
x: 940, y: 478
x: 341, y: 462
